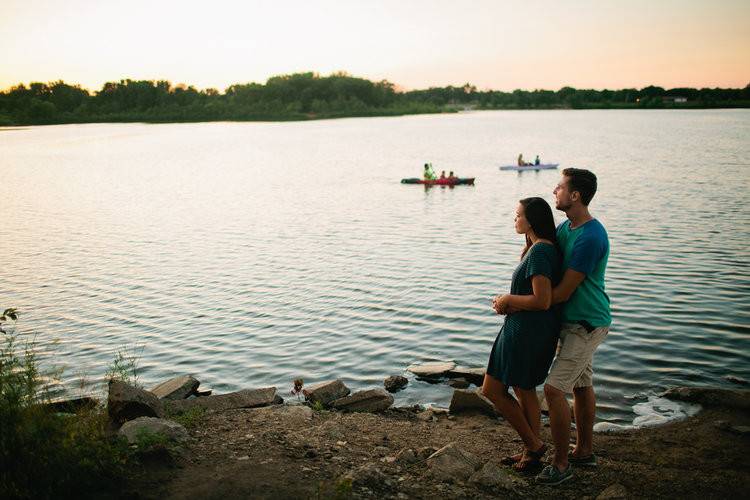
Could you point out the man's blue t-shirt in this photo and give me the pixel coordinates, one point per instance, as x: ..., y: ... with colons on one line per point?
x: 586, y: 249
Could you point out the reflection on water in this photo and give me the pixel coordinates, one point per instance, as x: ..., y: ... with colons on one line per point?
x: 253, y: 253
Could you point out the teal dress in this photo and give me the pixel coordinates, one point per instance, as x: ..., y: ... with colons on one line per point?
x: 526, y: 344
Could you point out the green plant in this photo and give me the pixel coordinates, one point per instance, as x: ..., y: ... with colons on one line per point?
x: 124, y: 367
x: 318, y: 406
x: 44, y: 454
x: 190, y: 418
x: 147, y: 440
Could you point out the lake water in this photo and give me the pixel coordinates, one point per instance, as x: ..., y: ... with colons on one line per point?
x: 249, y: 254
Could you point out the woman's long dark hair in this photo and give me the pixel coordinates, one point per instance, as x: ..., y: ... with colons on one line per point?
x: 539, y: 215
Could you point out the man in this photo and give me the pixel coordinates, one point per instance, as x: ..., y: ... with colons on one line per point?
x: 585, y: 323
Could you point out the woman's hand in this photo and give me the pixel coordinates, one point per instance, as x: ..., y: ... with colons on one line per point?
x: 500, y: 304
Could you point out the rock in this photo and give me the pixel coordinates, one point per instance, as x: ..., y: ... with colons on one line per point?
x: 71, y: 405
x: 425, y: 452
x: 126, y: 402
x: 458, y: 383
x: 406, y: 457
x: 432, y: 370
x: 395, y: 383
x: 742, y: 430
x: 471, y: 400
x: 203, y: 391
x: 472, y: 375
x: 492, y: 476
x: 133, y: 430
x: 366, y: 476
x: 451, y: 463
x: 371, y: 400
x: 728, y: 398
x: 326, y: 393
x: 176, y: 388
x: 736, y: 380
x: 246, y: 398
x: 613, y: 492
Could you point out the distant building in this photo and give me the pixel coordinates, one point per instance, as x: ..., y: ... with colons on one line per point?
x: 674, y: 99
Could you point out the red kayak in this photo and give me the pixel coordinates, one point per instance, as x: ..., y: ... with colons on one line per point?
x: 440, y: 182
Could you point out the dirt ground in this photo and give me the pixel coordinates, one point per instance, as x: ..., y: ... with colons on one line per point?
x: 286, y: 452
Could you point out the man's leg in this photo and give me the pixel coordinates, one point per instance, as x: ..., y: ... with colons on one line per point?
x: 559, y: 423
x: 584, y: 404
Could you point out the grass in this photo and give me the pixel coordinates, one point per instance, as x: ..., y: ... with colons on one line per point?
x: 191, y: 418
x: 125, y: 367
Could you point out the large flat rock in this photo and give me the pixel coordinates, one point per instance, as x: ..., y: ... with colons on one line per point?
x: 432, y: 370
x: 371, y: 400
x: 71, y: 405
x: 176, y: 388
x: 707, y: 396
x: 472, y: 375
x: 246, y: 398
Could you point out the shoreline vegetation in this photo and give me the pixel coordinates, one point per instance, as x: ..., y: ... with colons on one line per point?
x: 178, y: 440
x: 309, y: 96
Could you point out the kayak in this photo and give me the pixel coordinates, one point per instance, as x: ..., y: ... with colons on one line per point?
x: 440, y: 182
x: 541, y: 166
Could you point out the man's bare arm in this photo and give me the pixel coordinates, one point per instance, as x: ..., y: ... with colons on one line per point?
x: 566, y: 287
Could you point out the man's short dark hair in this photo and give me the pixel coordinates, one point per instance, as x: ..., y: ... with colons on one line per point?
x: 583, y: 181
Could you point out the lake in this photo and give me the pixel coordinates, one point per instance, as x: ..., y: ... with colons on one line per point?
x: 249, y: 254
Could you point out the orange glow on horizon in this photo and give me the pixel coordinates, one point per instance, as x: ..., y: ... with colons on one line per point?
x: 420, y: 44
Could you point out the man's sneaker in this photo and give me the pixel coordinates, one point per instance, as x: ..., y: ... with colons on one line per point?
x: 589, y: 461
x: 551, y: 476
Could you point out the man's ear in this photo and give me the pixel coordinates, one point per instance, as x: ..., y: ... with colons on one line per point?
x: 575, y: 196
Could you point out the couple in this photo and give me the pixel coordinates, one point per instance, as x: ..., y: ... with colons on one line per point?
x: 565, y: 266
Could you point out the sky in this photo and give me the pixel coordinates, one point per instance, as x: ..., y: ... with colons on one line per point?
x: 492, y: 44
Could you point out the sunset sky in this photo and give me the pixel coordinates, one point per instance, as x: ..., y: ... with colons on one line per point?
x: 494, y: 44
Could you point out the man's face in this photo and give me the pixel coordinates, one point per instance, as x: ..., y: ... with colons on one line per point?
x: 563, y: 196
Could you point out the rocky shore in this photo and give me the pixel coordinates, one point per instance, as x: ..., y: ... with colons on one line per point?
x: 327, y: 442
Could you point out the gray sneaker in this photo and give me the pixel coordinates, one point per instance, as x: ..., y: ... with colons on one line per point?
x: 552, y: 477
x: 589, y: 461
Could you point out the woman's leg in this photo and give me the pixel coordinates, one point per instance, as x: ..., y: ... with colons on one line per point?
x: 531, y: 409
x: 497, y: 392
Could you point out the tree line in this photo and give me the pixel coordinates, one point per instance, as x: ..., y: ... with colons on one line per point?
x: 303, y: 96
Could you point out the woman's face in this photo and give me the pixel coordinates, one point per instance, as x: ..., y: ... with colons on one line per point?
x: 522, y: 225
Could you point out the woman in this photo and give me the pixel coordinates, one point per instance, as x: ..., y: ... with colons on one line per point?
x: 525, y: 346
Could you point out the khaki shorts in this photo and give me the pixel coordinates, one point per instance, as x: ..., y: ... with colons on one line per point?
x: 573, y: 366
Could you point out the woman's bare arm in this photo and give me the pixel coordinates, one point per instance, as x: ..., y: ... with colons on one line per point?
x: 540, y: 300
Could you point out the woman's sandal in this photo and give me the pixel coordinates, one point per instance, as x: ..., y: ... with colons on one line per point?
x: 512, y: 459
x: 531, y: 461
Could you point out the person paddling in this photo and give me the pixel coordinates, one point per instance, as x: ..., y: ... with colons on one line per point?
x: 429, y: 175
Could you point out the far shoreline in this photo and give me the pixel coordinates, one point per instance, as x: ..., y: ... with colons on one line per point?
x: 282, y: 119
